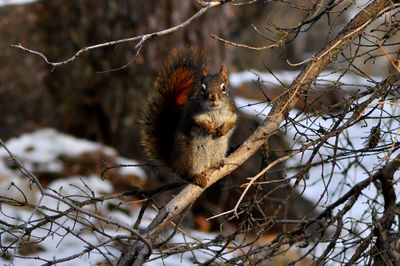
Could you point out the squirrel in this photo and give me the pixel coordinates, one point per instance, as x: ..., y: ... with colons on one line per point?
x: 189, y: 119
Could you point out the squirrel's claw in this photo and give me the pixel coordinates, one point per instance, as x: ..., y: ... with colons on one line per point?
x: 219, y: 164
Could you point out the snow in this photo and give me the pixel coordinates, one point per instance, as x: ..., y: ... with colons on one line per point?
x: 350, y: 80
x: 357, y: 136
x: 353, y: 139
x: 15, y: 2
x: 41, y: 150
x: 131, y: 169
x: 252, y: 107
x: 45, y: 147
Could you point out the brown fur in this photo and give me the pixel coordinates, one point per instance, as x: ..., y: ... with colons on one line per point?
x: 189, y: 121
x: 174, y: 83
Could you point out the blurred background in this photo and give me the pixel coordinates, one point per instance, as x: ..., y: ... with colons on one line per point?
x: 93, y: 98
x: 87, y: 99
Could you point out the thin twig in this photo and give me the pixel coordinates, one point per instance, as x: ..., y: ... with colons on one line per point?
x: 141, y: 38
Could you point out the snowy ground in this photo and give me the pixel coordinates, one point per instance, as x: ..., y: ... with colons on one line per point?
x: 357, y: 136
x: 41, y: 151
x: 352, y: 139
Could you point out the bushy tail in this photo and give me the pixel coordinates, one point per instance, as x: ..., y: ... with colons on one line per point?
x: 178, y: 77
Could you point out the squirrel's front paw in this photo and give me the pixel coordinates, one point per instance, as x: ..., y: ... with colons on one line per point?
x: 222, y: 130
x: 200, y: 180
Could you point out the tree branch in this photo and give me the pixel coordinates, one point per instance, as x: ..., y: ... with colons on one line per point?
x: 136, y: 254
x: 141, y: 38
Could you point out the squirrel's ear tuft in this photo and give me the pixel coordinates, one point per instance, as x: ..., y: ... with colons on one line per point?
x: 224, y: 73
x: 205, y: 72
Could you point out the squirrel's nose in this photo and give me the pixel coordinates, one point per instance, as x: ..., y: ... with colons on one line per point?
x: 213, y: 98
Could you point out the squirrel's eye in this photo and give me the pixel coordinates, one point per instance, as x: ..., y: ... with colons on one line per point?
x: 223, y: 88
x: 203, y: 88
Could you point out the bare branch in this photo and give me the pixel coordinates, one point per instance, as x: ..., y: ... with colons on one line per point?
x: 307, y: 151
x: 141, y: 38
x: 301, y: 84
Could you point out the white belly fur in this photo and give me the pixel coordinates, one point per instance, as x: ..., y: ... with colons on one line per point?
x: 209, y: 150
